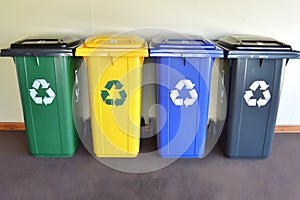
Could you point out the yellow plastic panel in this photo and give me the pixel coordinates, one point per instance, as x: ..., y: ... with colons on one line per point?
x: 115, y: 78
x: 114, y: 46
x: 115, y: 128
x: 115, y: 41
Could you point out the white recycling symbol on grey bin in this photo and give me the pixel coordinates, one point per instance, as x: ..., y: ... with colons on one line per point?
x: 261, y: 101
x: 48, y: 99
x: 188, y: 101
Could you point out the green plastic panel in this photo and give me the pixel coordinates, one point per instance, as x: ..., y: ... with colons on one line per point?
x: 46, y: 87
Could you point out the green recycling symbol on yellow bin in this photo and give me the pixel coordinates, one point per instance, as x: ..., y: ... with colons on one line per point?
x: 105, y: 93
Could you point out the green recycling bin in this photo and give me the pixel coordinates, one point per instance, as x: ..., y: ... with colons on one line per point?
x: 48, y: 82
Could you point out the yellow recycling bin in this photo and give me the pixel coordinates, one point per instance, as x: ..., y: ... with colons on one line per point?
x: 114, y: 65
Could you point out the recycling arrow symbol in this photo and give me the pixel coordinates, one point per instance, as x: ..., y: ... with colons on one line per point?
x: 261, y: 101
x: 105, y: 94
x: 188, y: 101
x: 45, y: 85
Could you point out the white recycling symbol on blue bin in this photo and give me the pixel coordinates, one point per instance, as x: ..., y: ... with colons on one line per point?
x: 248, y: 96
x: 48, y: 99
x: 188, y: 101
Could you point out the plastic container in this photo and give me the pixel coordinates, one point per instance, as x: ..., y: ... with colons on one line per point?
x: 255, y: 64
x: 47, y: 72
x: 184, y: 68
x: 114, y: 65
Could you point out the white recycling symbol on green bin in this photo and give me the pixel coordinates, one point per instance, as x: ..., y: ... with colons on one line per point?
x: 252, y: 102
x: 188, y: 101
x: 48, y: 99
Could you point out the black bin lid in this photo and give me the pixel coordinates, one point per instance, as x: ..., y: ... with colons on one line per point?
x: 43, y: 46
x: 254, y: 46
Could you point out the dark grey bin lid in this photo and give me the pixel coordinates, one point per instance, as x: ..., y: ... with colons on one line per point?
x: 254, y: 46
x: 180, y: 46
x: 43, y: 46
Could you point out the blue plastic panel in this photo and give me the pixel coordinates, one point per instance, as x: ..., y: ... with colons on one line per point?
x: 187, y: 47
x: 186, y: 44
x: 183, y: 131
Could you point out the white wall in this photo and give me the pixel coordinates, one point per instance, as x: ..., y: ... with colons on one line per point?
x: 210, y: 18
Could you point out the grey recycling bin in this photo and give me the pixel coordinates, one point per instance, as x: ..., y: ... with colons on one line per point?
x: 255, y: 64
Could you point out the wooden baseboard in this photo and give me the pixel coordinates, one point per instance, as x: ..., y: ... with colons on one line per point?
x: 20, y: 126
x: 287, y: 129
x: 17, y: 126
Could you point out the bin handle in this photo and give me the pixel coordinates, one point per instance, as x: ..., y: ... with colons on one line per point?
x: 37, y: 61
x: 282, y: 81
x: 112, y: 61
x: 287, y: 61
x: 76, y: 86
x: 141, y: 61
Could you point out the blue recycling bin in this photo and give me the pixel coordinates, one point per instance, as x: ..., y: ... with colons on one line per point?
x: 184, y: 67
